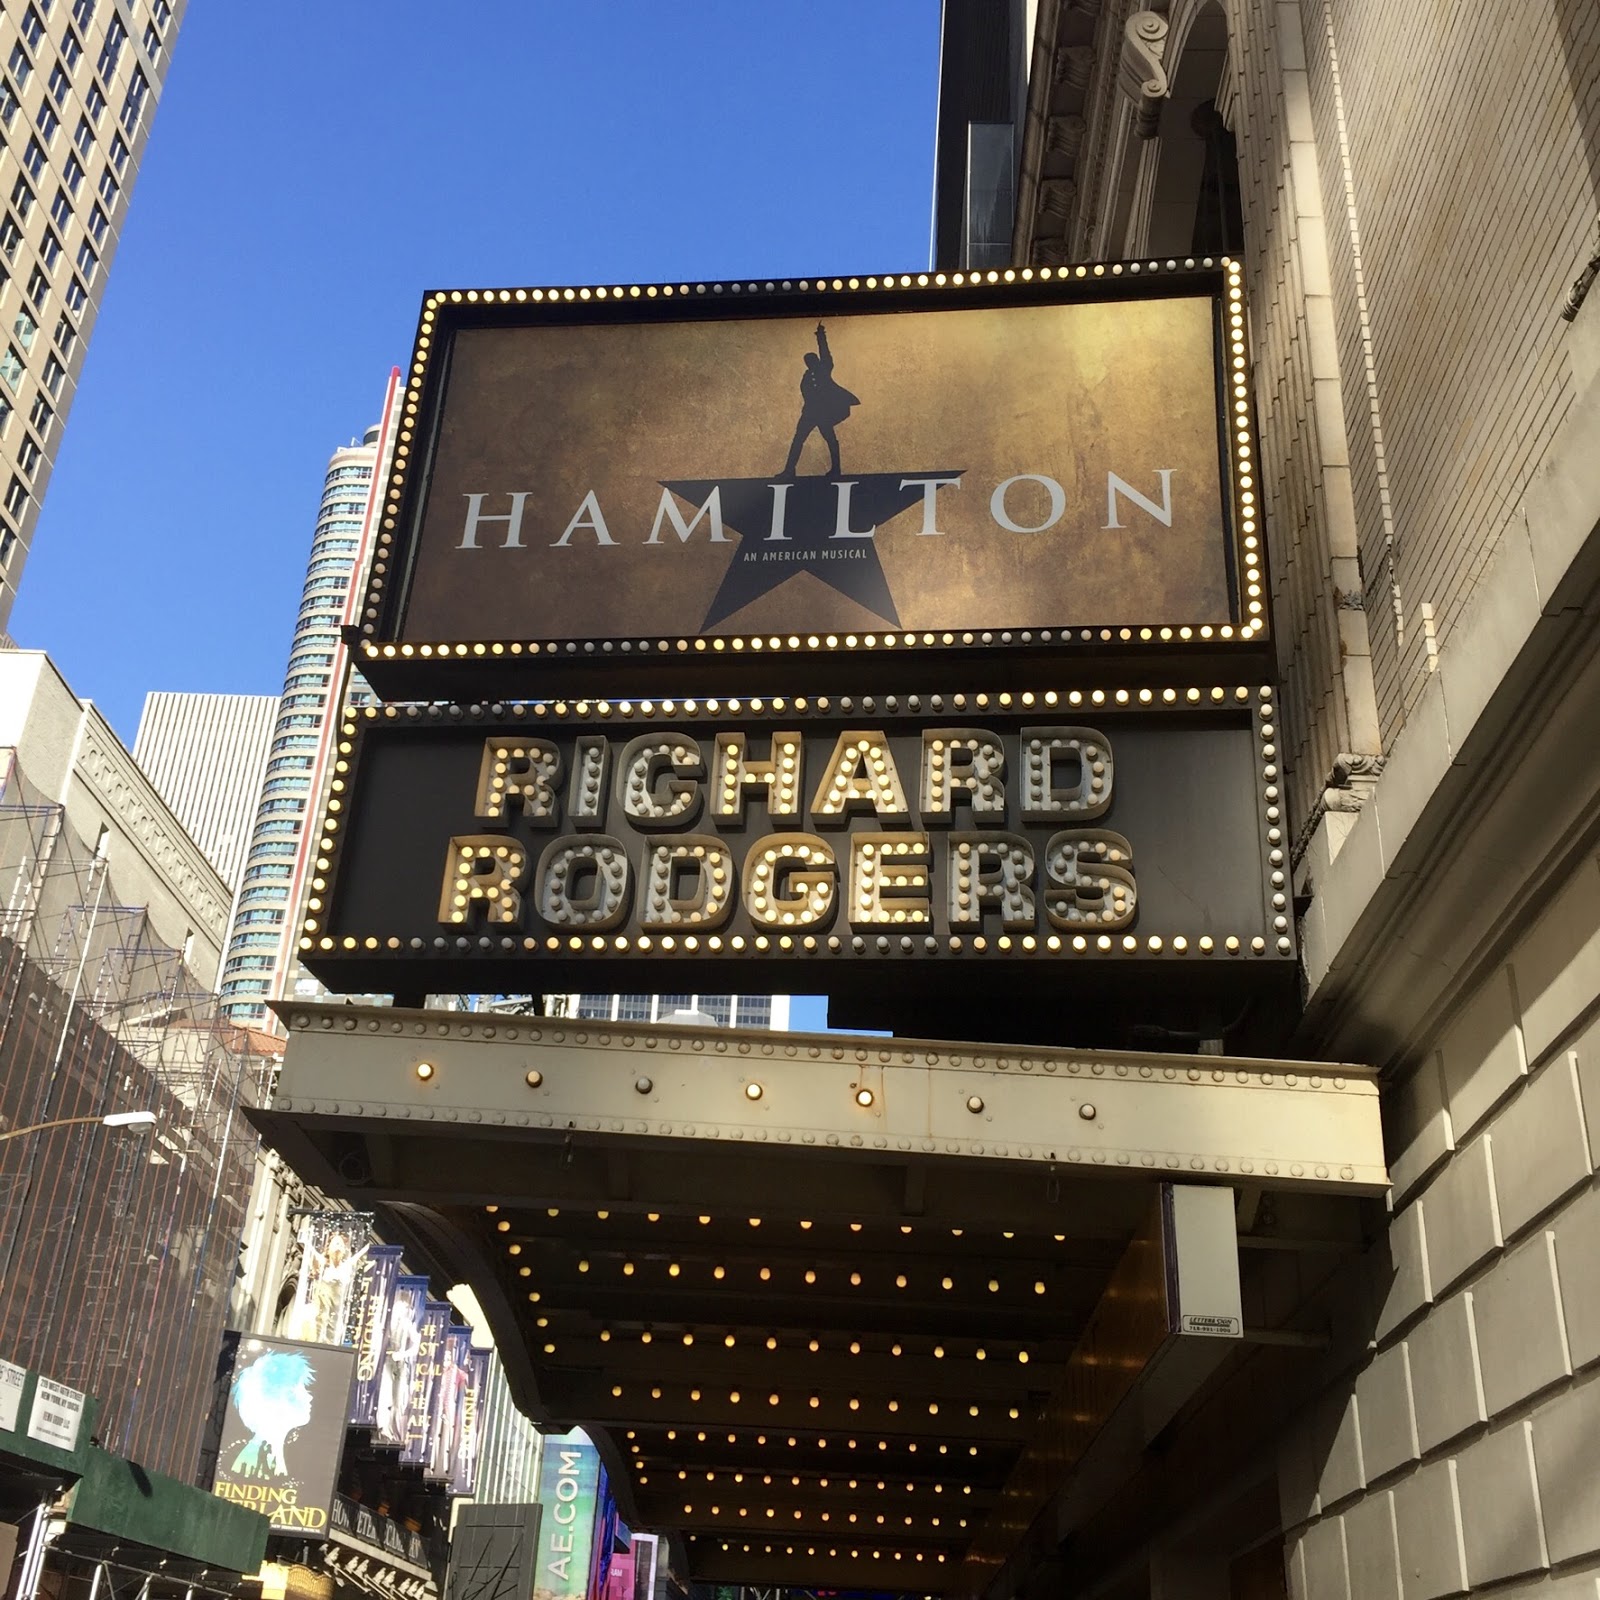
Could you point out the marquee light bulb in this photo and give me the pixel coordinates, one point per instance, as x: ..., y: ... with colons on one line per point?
x: 864, y: 1097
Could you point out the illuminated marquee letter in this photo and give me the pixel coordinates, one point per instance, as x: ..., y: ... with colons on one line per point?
x: 1115, y: 486
x: 583, y: 883
x: 861, y: 774
x: 970, y: 759
x: 482, y: 869
x: 888, y: 879
x: 1089, y: 880
x: 656, y: 779
x: 697, y: 862
x: 668, y: 511
x: 519, y: 776
x: 737, y: 776
x: 1087, y: 794
x: 790, y: 881
x: 991, y: 869
x: 586, y: 803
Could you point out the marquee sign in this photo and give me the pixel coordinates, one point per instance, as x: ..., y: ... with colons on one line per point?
x: 1042, y: 461
x: 511, y: 847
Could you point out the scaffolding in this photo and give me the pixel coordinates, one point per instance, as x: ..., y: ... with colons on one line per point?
x: 117, y: 1251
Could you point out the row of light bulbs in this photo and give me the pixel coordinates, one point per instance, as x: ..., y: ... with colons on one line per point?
x: 813, y: 1344
x: 805, y: 1224
x: 813, y: 1400
x: 820, y: 1440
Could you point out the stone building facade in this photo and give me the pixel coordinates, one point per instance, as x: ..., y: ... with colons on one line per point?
x: 1414, y: 194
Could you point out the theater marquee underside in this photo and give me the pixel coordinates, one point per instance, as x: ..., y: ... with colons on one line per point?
x: 826, y: 1301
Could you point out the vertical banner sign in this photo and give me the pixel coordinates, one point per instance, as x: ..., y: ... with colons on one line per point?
x: 369, y: 1328
x: 605, y: 1528
x: 469, y: 1429
x: 569, y: 1482
x: 454, y: 1361
x: 333, y: 1252
x: 399, y: 1374
x: 419, y: 1430
x: 283, y: 1430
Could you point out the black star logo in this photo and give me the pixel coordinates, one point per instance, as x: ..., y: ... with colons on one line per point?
x: 824, y: 526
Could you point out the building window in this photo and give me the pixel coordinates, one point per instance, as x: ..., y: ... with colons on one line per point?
x: 49, y: 250
x: 71, y: 49
x: 83, y: 11
x: 33, y: 158
x: 109, y: 187
x: 61, y: 209
x: 77, y: 297
x: 152, y: 43
x: 753, y: 1011
x: 162, y: 12
x: 42, y: 415
x: 111, y: 50
x: 5, y: 415
x: 8, y: 543
x: 88, y: 261
x: 133, y: 101
x: 32, y: 27
x: 38, y: 286
x: 25, y: 329
x: 16, y: 497
x: 11, y: 368
x: 54, y: 376
x: 74, y: 173
x: 8, y: 102
x: 97, y: 225
x: 22, y: 198
x: 84, y: 137
x: 10, y: 238
x: 95, y: 101
x: 21, y: 66
x: 633, y: 1008
x: 119, y: 152
x: 719, y: 1007
x: 47, y: 121
x: 66, y: 335
x: 28, y: 455
x: 595, y: 1007
x: 59, y: 83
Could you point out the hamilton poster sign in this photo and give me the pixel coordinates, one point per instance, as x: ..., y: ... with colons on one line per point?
x: 704, y: 472
x: 512, y: 847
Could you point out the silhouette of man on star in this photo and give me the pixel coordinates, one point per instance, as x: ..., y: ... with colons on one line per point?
x: 823, y: 404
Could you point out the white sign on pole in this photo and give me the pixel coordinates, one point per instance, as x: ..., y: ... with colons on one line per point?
x: 11, y: 1376
x: 57, y: 1415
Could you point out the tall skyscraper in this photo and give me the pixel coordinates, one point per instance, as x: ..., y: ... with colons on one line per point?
x: 79, y: 82
x: 205, y: 753
x: 260, y: 958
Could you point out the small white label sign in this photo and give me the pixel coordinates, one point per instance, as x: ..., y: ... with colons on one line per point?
x: 57, y: 1415
x: 11, y: 1376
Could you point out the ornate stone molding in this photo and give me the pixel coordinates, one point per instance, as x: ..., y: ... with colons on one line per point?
x: 1141, y: 70
x: 1349, y: 785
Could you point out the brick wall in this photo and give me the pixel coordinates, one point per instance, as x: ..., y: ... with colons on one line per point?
x: 1464, y: 1450
x: 1460, y: 204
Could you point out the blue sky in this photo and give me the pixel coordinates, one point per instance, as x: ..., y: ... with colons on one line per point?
x: 313, y: 169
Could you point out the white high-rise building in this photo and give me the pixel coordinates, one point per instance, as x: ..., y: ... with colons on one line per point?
x: 260, y: 963
x: 205, y: 754
x: 79, y: 82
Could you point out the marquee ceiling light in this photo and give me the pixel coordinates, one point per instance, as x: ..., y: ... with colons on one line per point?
x: 424, y: 1070
x: 752, y: 1091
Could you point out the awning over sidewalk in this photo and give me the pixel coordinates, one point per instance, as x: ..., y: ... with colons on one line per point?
x: 825, y: 1302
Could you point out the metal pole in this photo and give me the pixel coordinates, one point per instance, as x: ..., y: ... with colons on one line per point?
x: 33, y: 1560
